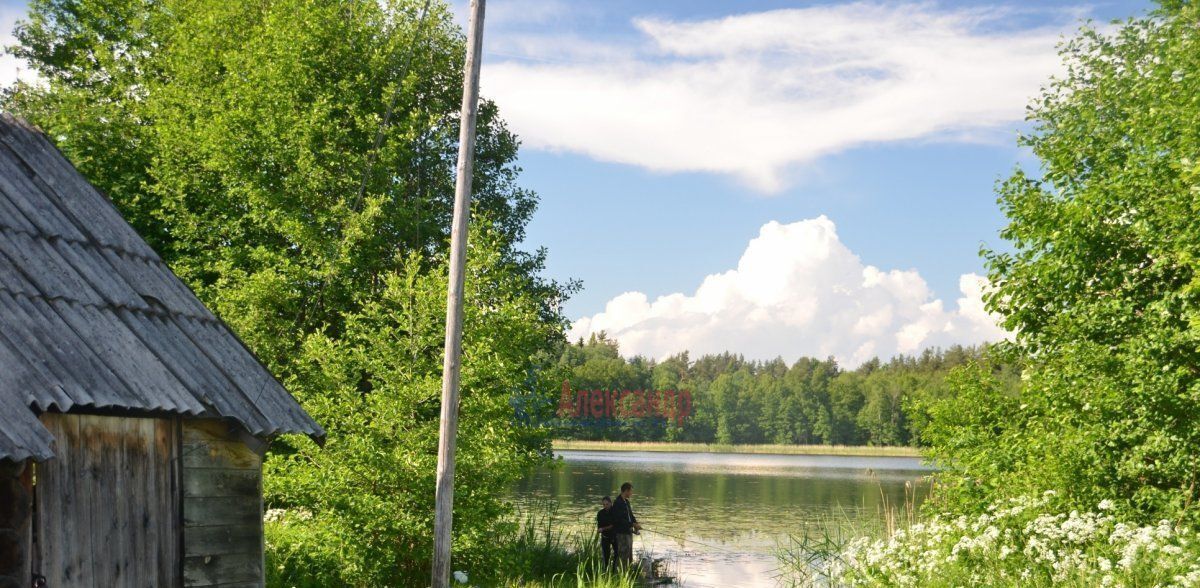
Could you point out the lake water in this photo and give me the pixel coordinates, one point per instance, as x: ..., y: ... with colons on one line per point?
x: 723, y: 515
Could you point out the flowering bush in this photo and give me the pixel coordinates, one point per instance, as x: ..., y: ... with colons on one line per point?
x: 1017, y: 543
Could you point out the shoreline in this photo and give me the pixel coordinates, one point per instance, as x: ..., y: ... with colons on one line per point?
x: 667, y: 446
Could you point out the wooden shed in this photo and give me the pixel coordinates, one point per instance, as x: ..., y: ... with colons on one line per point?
x: 132, y: 421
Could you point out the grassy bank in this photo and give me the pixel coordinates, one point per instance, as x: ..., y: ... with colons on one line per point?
x: 867, y: 451
x: 531, y: 550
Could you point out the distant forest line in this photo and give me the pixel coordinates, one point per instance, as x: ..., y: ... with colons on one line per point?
x: 812, y: 401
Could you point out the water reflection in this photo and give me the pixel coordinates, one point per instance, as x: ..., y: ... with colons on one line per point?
x: 721, y: 516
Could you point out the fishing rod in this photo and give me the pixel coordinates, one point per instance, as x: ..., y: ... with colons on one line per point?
x: 646, y: 553
x: 686, y: 540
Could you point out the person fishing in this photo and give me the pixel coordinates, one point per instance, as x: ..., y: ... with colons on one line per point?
x: 624, y: 525
x: 608, y: 538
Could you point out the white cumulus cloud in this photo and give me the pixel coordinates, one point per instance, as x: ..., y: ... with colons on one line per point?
x: 753, y: 95
x: 11, y: 68
x: 798, y: 291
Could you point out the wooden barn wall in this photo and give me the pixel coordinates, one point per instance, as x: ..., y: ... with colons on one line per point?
x: 107, y: 513
x: 16, y: 512
x: 222, y: 508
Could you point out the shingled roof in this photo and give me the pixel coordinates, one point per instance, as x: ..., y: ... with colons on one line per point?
x: 91, y: 317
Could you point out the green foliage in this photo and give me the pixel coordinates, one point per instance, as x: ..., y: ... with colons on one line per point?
x: 1101, y: 284
x: 302, y: 555
x: 376, y: 389
x: 239, y: 144
x: 974, y: 435
x: 236, y: 136
x: 747, y: 402
x: 532, y: 552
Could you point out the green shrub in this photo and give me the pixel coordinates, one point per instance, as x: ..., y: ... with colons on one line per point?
x: 302, y: 556
x: 1101, y: 288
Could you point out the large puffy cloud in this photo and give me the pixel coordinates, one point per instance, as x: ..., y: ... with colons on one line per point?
x: 798, y: 291
x: 754, y: 94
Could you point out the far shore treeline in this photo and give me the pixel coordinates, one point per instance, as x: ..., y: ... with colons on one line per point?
x: 734, y: 400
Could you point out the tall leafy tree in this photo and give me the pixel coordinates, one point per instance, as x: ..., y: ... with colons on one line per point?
x: 1101, y: 285
x: 293, y: 161
x: 239, y: 136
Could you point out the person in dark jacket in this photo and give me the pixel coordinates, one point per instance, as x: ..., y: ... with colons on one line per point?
x: 604, y: 526
x: 624, y: 525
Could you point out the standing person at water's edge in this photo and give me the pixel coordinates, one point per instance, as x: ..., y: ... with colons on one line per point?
x: 604, y: 526
x: 625, y: 525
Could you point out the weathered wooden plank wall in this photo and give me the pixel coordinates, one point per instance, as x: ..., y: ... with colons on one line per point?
x: 222, y: 508
x: 108, y: 513
x: 16, y: 505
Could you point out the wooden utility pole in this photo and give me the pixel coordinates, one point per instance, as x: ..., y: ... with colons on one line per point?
x: 444, y: 497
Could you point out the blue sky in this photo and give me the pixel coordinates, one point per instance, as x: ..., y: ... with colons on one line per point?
x: 908, y: 189
x: 772, y: 177
x: 909, y: 205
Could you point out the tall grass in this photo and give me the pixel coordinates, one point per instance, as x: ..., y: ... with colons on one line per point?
x: 541, y: 555
x: 805, y: 557
x: 536, y: 553
x: 589, y: 575
x: 863, y: 451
